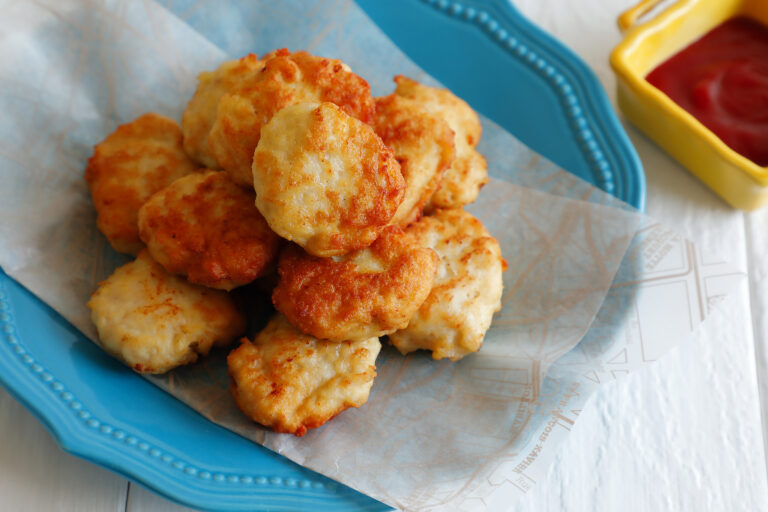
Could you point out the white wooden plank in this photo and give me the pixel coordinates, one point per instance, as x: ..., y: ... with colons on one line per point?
x: 36, y: 475
x: 686, y: 434
x: 142, y: 500
x: 682, y: 435
x: 757, y: 252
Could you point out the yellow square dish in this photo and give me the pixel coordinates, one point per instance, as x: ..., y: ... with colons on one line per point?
x: 738, y: 180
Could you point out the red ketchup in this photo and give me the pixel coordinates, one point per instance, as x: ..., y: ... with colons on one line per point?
x: 722, y: 80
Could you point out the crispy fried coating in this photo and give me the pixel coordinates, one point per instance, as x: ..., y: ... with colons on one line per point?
x: 370, y: 292
x: 131, y: 164
x: 325, y: 180
x: 287, y: 79
x: 206, y: 228
x: 154, y: 321
x: 200, y: 113
x: 467, y: 292
x: 423, y: 145
x: 291, y: 382
x: 469, y: 170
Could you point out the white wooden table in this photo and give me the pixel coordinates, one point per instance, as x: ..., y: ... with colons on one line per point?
x: 686, y: 434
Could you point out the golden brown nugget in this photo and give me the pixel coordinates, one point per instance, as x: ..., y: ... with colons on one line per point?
x: 370, y: 292
x: 206, y: 228
x: 200, y: 113
x: 154, y: 321
x: 469, y: 171
x: 324, y: 179
x: 423, y: 146
x: 287, y: 79
x: 453, y: 320
x: 291, y: 382
x: 131, y: 164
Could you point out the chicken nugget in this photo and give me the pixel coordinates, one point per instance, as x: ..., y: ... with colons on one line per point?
x: 370, y: 292
x: 287, y: 79
x: 154, y: 321
x: 325, y: 180
x: 207, y: 228
x: 453, y: 320
x: 469, y: 171
x: 200, y: 113
x: 423, y: 146
x: 131, y: 164
x: 291, y: 382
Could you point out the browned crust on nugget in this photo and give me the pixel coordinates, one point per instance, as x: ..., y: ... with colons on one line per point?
x: 287, y: 79
x: 131, y: 164
x: 207, y: 228
x: 325, y: 180
x: 467, y: 291
x: 200, y: 113
x: 371, y: 292
x: 154, y: 321
x: 291, y: 382
x: 468, y: 172
x: 423, y: 146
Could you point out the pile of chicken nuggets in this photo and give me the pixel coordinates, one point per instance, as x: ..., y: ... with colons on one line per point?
x: 286, y: 171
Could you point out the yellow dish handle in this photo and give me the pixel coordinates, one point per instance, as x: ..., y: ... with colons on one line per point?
x: 629, y: 17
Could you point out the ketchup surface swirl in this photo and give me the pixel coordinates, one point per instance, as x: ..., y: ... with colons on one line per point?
x: 722, y: 80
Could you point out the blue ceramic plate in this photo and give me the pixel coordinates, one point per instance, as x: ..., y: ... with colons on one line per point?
x: 97, y: 410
